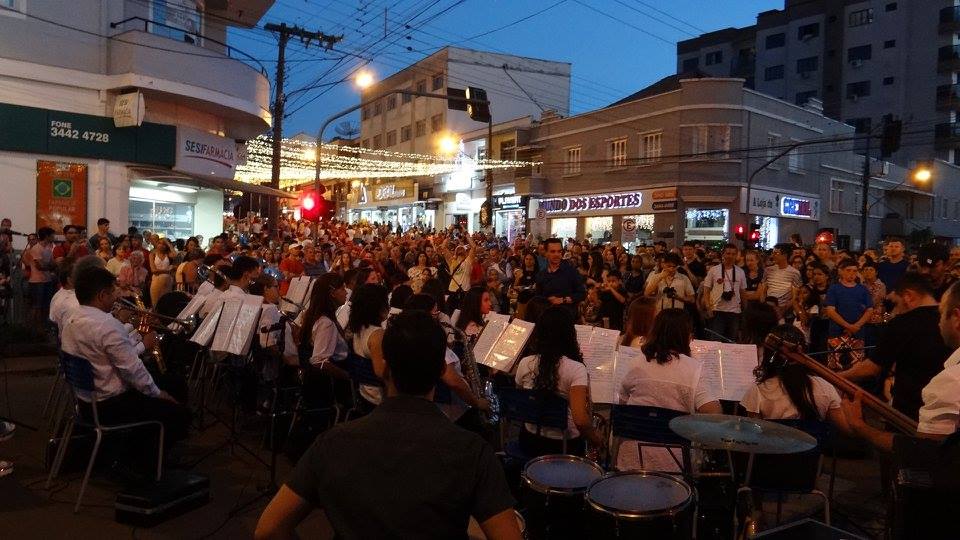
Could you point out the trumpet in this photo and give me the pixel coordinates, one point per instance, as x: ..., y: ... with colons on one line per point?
x: 206, y: 272
x: 150, y: 320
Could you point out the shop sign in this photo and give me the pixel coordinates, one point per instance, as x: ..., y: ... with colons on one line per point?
x: 61, y: 194
x: 770, y: 203
x: 609, y: 203
x: 44, y: 131
x: 393, y: 191
x: 510, y: 202
x: 629, y: 226
x: 128, y: 110
x: 205, y: 154
x: 663, y: 206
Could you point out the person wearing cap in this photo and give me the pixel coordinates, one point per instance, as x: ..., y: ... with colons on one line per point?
x: 932, y: 260
x: 291, y: 267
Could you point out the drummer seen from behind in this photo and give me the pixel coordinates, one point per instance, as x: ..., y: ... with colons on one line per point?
x: 669, y: 378
x: 940, y: 412
x: 404, y: 469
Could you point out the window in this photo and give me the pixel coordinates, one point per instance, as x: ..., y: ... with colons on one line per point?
x: 617, y: 153
x: 861, y: 125
x: 405, y: 98
x: 715, y: 57
x: 175, y: 220
x: 775, y: 41
x: 421, y: 128
x: 377, y: 108
x: 860, y: 18
x: 794, y: 160
x: 699, y: 136
x: 691, y: 64
x: 651, y: 147
x: 836, y: 197
x: 892, y: 6
x: 391, y: 103
x: 956, y: 209
x: 773, y: 140
x: 803, y: 97
x: 377, y: 142
x: 808, y: 31
x: 437, y: 82
x: 944, y: 207
x: 889, y: 44
x: 15, y: 8
x: 180, y: 21
x: 391, y: 138
x: 859, y: 54
x: 436, y: 123
x: 572, y: 163
x: 405, y: 133
x: 508, y: 149
x: 713, y: 140
x: 807, y: 65
x: 858, y: 90
x: 422, y: 85
x: 887, y: 81
x: 366, y: 143
x: 773, y: 73
x: 365, y: 113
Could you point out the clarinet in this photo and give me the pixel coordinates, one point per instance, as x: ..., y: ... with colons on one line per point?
x: 468, y: 365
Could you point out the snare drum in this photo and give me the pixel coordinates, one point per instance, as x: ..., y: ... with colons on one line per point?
x: 552, y: 495
x: 638, y: 504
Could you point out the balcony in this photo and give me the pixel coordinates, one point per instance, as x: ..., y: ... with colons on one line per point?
x: 948, y: 97
x: 947, y: 135
x: 948, y: 58
x: 199, y: 72
x: 949, y: 19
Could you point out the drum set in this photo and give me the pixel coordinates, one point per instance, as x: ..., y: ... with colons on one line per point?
x: 565, y: 496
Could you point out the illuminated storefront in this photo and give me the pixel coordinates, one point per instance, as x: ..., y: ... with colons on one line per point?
x: 510, y: 215
x: 389, y: 201
x: 599, y: 216
x: 783, y: 214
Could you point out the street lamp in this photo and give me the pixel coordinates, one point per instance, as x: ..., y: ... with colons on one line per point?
x: 922, y: 175
x: 448, y: 144
x: 364, y: 79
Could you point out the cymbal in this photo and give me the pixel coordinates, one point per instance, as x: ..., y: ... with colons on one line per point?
x: 741, y: 434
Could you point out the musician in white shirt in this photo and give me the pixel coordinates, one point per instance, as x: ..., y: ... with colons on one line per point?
x: 940, y: 413
x: 64, y: 300
x: 667, y: 378
x: 125, y: 390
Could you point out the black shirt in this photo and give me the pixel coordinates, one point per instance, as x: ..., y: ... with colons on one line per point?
x: 612, y: 308
x: 562, y: 282
x: 403, y: 471
x: 912, y: 341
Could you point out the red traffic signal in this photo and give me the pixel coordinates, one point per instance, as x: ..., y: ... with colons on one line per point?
x: 310, y: 204
x: 739, y: 232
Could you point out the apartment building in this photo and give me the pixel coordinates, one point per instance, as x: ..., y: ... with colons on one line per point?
x: 863, y: 59
x: 670, y: 163
x: 161, y: 158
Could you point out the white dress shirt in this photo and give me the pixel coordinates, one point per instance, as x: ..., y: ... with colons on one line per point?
x: 63, y: 302
x: 102, y: 340
x: 940, y: 414
x: 328, y: 344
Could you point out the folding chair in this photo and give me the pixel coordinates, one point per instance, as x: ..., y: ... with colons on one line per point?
x: 78, y: 373
x: 537, y: 407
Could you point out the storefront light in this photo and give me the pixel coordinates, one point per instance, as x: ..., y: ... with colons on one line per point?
x: 181, y: 189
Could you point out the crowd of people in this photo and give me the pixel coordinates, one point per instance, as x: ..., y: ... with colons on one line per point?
x: 413, y: 302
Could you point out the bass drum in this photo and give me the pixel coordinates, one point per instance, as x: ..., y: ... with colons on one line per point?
x: 552, y: 493
x: 639, y: 504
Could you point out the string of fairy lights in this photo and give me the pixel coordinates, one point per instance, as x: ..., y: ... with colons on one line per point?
x: 298, y: 163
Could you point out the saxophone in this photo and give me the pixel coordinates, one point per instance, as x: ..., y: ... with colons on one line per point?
x: 468, y: 365
x: 145, y: 326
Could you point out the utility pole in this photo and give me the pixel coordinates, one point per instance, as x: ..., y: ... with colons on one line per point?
x: 279, y: 98
x: 865, y: 189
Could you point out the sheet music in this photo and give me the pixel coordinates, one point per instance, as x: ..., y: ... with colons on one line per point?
x: 296, y: 292
x: 507, y: 350
x: 205, y: 288
x: 455, y: 317
x: 192, y: 307
x: 727, y: 367
x: 205, y: 331
x: 599, y: 355
x: 306, y: 299
x: 228, y: 318
x: 497, y: 317
x: 627, y: 359
x: 487, y: 339
x: 245, y: 326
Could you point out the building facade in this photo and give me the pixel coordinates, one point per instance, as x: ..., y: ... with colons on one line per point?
x: 863, y: 59
x: 671, y: 163
x: 161, y: 158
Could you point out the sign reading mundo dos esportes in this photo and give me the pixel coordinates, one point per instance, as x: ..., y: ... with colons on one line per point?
x: 623, y: 202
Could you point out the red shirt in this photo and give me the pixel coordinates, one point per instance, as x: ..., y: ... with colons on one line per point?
x: 63, y: 249
x: 291, y: 265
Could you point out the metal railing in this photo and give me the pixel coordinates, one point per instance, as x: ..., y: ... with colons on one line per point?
x: 197, y: 39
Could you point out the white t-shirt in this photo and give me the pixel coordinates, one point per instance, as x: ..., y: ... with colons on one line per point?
x: 570, y: 373
x: 680, y: 283
x: 361, y: 346
x: 64, y: 301
x: 770, y: 400
x: 676, y: 385
x: 940, y: 414
x: 460, y: 274
x: 717, y: 283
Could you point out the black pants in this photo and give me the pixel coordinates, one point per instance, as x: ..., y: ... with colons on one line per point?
x: 132, y: 406
x: 725, y: 323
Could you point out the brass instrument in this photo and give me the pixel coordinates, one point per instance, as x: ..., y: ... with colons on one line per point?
x: 791, y: 351
x: 147, y: 320
x: 468, y: 365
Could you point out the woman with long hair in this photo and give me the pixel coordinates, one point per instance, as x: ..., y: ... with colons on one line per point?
x: 667, y: 378
x: 753, y: 270
x: 475, y: 306
x: 558, y: 368
x: 420, y: 272
x: 785, y: 390
x: 321, y: 341
x: 161, y: 267
x: 640, y: 315
x: 342, y: 262
x: 595, y: 274
x: 369, y: 307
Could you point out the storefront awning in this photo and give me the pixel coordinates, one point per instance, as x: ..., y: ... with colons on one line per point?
x: 166, y: 175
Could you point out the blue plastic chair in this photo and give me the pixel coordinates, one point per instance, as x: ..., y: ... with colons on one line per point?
x: 648, y: 427
x: 78, y: 372
x: 537, y: 407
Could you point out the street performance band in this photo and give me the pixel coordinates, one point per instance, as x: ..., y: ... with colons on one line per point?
x: 396, y: 403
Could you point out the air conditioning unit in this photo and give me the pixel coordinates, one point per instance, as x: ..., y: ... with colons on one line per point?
x: 856, y: 63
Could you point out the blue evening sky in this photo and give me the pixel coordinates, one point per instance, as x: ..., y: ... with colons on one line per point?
x: 616, y: 46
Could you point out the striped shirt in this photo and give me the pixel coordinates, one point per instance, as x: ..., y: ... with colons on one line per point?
x: 780, y: 283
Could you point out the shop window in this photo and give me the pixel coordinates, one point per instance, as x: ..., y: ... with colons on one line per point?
x: 173, y: 220
x: 572, y: 163
x: 651, y: 147
x: 707, y: 224
x: 563, y: 228
x: 599, y: 229
x: 617, y: 153
x: 644, y: 231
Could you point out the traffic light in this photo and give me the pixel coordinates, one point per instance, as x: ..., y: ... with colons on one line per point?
x: 740, y: 233
x: 754, y: 239
x: 478, y: 112
x: 310, y: 205
x: 890, y: 140
x: 826, y: 236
